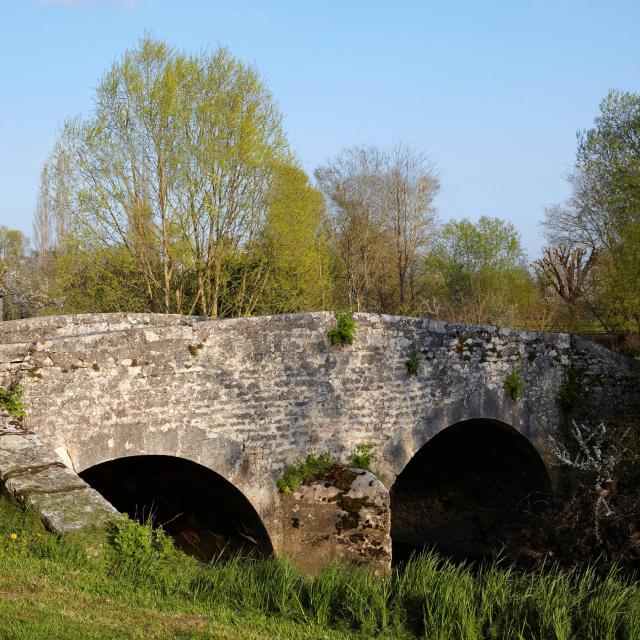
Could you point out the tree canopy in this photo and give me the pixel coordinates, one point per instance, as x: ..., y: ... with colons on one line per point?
x: 179, y: 193
x: 602, y: 216
x: 171, y: 185
x: 478, y: 272
x: 382, y: 219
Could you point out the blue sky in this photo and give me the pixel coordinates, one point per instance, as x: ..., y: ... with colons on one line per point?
x: 493, y: 91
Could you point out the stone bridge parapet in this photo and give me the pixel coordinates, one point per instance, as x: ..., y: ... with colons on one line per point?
x: 245, y: 397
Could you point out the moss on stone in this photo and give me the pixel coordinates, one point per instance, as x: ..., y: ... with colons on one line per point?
x: 569, y: 393
x: 194, y: 349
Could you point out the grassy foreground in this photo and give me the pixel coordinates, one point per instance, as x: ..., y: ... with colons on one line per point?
x: 143, y: 588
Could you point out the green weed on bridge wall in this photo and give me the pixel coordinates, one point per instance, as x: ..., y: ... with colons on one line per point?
x: 514, y: 384
x: 139, y: 588
x: 295, y: 475
x: 11, y: 401
x: 413, y: 363
x: 344, y: 332
x: 362, y: 456
x: 569, y: 393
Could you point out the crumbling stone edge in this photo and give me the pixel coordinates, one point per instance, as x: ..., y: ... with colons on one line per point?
x: 35, y: 477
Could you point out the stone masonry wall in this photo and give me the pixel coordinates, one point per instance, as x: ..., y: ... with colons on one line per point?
x: 34, y: 476
x: 247, y: 396
x: 342, y: 515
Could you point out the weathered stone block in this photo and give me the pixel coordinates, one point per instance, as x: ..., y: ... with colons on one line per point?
x: 49, y: 480
x: 73, y: 510
x: 34, y: 475
x: 343, y: 515
x: 20, y: 454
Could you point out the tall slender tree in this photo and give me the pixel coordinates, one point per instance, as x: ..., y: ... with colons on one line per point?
x: 172, y: 179
x: 43, y: 223
x: 383, y: 220
x: 602, y: 216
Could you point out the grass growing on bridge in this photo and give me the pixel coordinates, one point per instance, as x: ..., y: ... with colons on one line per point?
x: 144, y: 588
x: 295, y: 475
x: 11, y: 401
x: 344, y: 331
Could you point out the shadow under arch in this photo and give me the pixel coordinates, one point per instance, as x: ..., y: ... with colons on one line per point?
x: 467, y: 491
x: 207, y: 516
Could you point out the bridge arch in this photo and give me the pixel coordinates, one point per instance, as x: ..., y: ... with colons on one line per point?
x: 466, y: 491
x: 245, y: 397
x: 207, y: 515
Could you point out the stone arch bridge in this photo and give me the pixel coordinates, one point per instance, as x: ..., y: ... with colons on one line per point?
x: 192, y: 421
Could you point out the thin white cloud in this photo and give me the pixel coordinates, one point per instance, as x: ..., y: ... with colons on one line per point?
x: 65, y: 3
x: 122, y: 4
x: 112, y: 4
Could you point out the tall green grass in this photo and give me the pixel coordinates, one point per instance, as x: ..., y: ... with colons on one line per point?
x: 428, y: 598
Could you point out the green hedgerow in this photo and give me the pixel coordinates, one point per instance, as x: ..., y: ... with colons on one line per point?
x: 143, y: 587
x: 11, y: 400
x: 345, y: 330
x: 361, y: 456
x: 298, y: 474
x: 514, y: 384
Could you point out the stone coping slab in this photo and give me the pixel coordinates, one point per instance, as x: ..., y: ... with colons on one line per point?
x: 34, y: 476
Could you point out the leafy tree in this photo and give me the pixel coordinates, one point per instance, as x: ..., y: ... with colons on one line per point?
x: 351, y: 184
x: 20, y: 277
x: 411, y: 188
x: 13, y: 248
x: 478, y: 272
x: 382, y: 218
x: 296, y: 245
x: 104, y: 279
x: 602, y: 216
x: 567, y: 272
x: 173, y: 191
x: 43, y: 229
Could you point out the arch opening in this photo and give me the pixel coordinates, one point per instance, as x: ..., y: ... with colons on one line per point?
x: 467, y: 492
x: 207, y: 516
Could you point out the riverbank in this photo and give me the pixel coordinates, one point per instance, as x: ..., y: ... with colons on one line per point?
x: 141, y: 587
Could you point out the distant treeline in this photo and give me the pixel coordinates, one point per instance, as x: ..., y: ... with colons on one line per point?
x: 179, y: 193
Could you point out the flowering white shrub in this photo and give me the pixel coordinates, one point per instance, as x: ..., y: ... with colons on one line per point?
x: 597, y: 451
